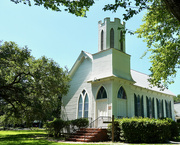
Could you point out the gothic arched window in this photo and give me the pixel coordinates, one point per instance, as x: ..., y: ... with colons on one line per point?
x: 102, y: 93
x: 168, y: 109
x: 80, y: 103
x: 86, y: 106
x: 102, y: 38
x: 139, y: 106
x: 122, y: 93
x: 112, y: 38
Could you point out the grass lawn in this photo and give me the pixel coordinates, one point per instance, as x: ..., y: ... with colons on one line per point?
x: 35, y: 137
x: 24, y: 137
x: 28, y: 137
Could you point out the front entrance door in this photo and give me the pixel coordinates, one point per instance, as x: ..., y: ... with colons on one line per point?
x: 101, y: 112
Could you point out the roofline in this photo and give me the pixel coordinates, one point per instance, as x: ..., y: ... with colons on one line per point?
x: 149, y: 88
x: 109, y: 49
x: 78, y: 61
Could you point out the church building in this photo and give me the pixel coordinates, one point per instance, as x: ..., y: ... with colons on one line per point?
x: 102, y: 84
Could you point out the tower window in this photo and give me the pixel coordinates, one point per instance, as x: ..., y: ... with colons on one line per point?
x: 121, y: 40
x: 102, y: 37
x: 112, y: 38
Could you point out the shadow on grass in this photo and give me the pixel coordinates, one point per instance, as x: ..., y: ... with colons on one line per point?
x: 25, y: 139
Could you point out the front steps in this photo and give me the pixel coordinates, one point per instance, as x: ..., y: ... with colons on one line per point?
x: 89, y: 135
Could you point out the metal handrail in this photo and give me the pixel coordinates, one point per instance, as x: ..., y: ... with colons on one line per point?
x: 90, y: 124
x: 93, y: 122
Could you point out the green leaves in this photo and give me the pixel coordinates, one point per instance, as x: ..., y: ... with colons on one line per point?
x: 30, y: 89
x: 177, y: 99
x: 77, y: 7
x: 131, y: 7
x: 161, y: 33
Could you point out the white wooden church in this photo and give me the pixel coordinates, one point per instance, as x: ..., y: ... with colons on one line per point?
x: 102, y: 84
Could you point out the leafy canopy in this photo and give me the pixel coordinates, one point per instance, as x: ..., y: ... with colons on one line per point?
x: 161, y: 32
x: 177, y: 99
x: 30, y: 89
x: 79, y: 7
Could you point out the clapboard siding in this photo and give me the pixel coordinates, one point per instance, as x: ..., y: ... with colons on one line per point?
x: 77, y: 85
x: 102, y: 64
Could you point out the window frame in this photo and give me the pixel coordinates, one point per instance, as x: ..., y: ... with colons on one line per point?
x: 80, y: 111
x: 99, y: 91
x: 124, y: 92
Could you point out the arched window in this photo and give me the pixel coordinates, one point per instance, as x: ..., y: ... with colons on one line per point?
x: 135, y: 105
x: 170, y: 110
x: 148, y: 108
x: 80, y: 103
x: 102, y: 38
x: 102, y: 93
x: 167, y: 109
x: 121, y: 40
x: 142, y: 106
x: 86, y: 106
x: 112, y: 38
x: 122, y: 93
x: 153, y: 110
x: 162, y: 108
x: 138, y: 105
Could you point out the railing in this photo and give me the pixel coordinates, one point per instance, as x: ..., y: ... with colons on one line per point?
x: 98, y: 123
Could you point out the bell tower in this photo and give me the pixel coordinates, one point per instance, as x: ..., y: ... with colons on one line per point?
x: 111, y: 35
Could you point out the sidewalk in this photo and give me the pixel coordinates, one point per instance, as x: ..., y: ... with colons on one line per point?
x: 118, y: 143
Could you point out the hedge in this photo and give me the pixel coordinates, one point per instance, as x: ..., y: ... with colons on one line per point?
x: 54, y: 128
x: 144, y: 130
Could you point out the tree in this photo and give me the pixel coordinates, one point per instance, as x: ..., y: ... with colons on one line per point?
x: 177, y: 99
x: 79, y: 7
x: 30, y: 89
x: 162, y: 34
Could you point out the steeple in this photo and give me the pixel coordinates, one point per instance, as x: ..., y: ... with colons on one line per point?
x: 111, y: 35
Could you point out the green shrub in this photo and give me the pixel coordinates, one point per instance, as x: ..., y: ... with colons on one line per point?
x: 174, y: 128
x: 55, y: 127
x: 80, y: 122
x: 144, y: 130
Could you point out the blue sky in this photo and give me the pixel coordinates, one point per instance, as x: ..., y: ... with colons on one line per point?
x: 62, y: 36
